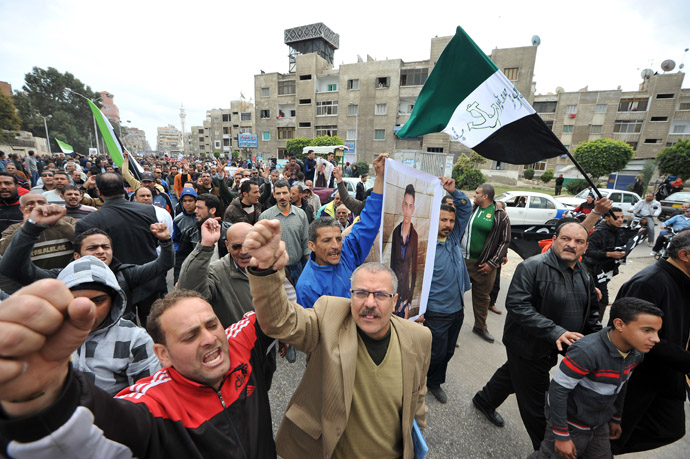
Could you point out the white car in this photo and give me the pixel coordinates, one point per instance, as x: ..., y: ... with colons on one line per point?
x: 531, y: 208
x: 620, y: 198
x: 351, y: 183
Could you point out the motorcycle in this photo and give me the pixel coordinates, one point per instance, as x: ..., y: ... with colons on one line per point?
x: 663, y: 252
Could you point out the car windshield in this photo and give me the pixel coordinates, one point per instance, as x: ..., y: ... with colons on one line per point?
x: 682, y: 197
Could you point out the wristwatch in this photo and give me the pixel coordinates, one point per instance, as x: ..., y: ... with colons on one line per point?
x: 33, y: 222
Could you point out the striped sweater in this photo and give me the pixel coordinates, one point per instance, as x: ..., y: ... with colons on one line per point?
x: 588, y: 388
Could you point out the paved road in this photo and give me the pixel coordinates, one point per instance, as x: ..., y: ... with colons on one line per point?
x: 457, y: 429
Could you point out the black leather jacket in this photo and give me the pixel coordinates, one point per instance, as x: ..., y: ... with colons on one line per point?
x: 535, y: 303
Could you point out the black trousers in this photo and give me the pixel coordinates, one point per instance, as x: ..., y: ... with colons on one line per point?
x: 649, y: 421
x: 529, y: 381
x: 445, y: 329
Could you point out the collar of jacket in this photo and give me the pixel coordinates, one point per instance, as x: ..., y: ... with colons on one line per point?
x: 322, y: 268
x: 552, y: 260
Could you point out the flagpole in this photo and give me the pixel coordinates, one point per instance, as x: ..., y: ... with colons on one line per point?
x: 589, y: 180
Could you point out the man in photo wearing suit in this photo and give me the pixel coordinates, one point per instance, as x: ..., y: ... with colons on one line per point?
x: 404, y: 254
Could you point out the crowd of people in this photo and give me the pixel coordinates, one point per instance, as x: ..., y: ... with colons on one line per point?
x: 122, y: 334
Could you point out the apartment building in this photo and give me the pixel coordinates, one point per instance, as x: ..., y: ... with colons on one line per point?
x: 220, y: 129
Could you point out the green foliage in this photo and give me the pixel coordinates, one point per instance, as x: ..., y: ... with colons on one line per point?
x: 601, y: 157
x: 528, y: 174
x: 44, y: 92
x: 216, y: 154
x: 675, y: 160
x: 465, y: 163
x: 235, y: 155
x: 575, y: 186
x: 9, y: 120
x: 547, y: 176
x: 326, y: 141
x: 296, y: 145
x: 362, y: 168
x: 470, y: 180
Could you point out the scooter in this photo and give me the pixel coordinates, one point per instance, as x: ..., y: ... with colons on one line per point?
x: 663, y: 252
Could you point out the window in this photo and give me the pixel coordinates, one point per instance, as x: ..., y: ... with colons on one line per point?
x: 616, y: 197
x: 540, y: 166
x: 216, y: 144
x: 380, y: 109
x: 293, y: 113
x: 246, y: 117
x: 305, y: 101
x: 226, y: 142
x: 305, y: 125
x: 383, y: 82
x: 600, y: 108
x: 352, y: 84
x: 286, y: 87
x: 413, y: 77
x: 684, y: 106
x: 567, y: 129
x: 226, y: 118
x: 549, y: 124
x: 679, y: 129
x: 665, y: 96
x: 245, y: 130
x: 629, y: 199
x: 595, y: 129
x: 652, y: 141
x: 304, y: 77
x: 201, y: 131
x: 265, y: 92
x: 537, y: 202
x: 545, y: 107
x: 285, y: 133
x: 571, y: 109
x: 633, y: 105
x: 216, y: 119
x: 659, y: 119
x: 379, y: 134
x: 434, y: 149
x: 511, y: 73
x: 201, y: 139
x: 351, y: 134
x: 352, y: 109
x: 627, y: 127
x: 332, y: 87
x: 265, y: 114
x: 266, y: 135
x: 326, y: 130
x: 226, y: 130
x: 327, y: 108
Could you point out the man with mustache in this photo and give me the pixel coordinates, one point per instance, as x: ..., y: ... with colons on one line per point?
x: 366, y: 368
x: 445, y: 308
x: 334, y: 258
x: 295, y: 226
x: 551, y: 304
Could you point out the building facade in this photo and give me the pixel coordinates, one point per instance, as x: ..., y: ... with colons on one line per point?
x: 220, y: 129
x: 169, y: 140
x: 135, y: 140
x: 108, y: 107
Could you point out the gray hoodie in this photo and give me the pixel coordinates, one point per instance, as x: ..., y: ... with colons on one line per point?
x: 118, y: 353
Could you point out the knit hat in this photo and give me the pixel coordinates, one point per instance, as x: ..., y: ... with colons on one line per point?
x: 188, y: 192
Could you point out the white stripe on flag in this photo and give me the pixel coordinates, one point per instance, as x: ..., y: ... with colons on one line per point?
x: 491, y: 105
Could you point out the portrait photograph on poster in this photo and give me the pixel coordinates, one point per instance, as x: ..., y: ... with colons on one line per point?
x: 322, y: 173
x: 407, y: 239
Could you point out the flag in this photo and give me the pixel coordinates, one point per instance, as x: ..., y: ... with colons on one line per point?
x: 112, y: 142
x: 468, y: 97
x: 65, y: 147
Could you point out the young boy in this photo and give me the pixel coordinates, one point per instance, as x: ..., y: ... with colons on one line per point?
x: 586, y: 395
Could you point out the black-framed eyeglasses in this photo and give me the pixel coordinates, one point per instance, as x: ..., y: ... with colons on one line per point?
x: 364, y: 294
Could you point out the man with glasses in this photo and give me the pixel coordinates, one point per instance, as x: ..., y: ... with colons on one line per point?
x: 676, y: 223
x: 367, y: 367
x: 606, y: 245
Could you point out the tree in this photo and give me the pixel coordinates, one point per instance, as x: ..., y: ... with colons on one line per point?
x: 296, y: 145
x: 326, y: 141
x: 470, y: 180
x: 528, y: 174
x: 362, y: 167
x: 547, y: 176
x: 601, y: 157
x: 675, y: 160
x: 9, y: 120
x: 44, y: 93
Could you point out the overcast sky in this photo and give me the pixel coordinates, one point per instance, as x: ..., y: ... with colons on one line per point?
x: 156, y: 55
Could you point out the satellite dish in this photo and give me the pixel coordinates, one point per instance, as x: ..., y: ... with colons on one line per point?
x: 536, y: 41
x: 559, y: 90
x: 668, y: 65
x: 647, y: 73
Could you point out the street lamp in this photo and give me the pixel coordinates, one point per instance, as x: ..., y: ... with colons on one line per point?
x: 95, y: 128
x: 45, y: 124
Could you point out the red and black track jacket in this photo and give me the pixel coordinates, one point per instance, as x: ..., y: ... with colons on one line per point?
x: 162, y: 416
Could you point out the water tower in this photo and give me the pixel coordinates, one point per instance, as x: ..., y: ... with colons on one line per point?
x: 312, y: 38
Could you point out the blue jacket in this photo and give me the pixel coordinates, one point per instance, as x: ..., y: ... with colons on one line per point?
x: 451, y: 280
x: 334, y: 280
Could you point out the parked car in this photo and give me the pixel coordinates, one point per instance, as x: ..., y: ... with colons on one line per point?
x: 620, y: 198
x: 530, y: 208
x: 672, y: 205
x: 351, y: 183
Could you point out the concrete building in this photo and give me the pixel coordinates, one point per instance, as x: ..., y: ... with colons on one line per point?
x: 169, y: 140
x: 135, y: 139
x: 21, y: 142
x: 5, y: 88
x: 109, y: 108
x: 655, y: 116
x: 220, y: 129
x: 364, y: 103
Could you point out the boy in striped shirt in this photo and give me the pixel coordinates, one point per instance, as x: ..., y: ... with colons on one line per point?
x: 586, y: 395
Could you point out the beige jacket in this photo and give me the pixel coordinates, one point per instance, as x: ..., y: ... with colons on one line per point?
x: 318, y: 411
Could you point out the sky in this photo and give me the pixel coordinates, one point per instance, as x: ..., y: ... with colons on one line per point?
x: 155, y: 56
